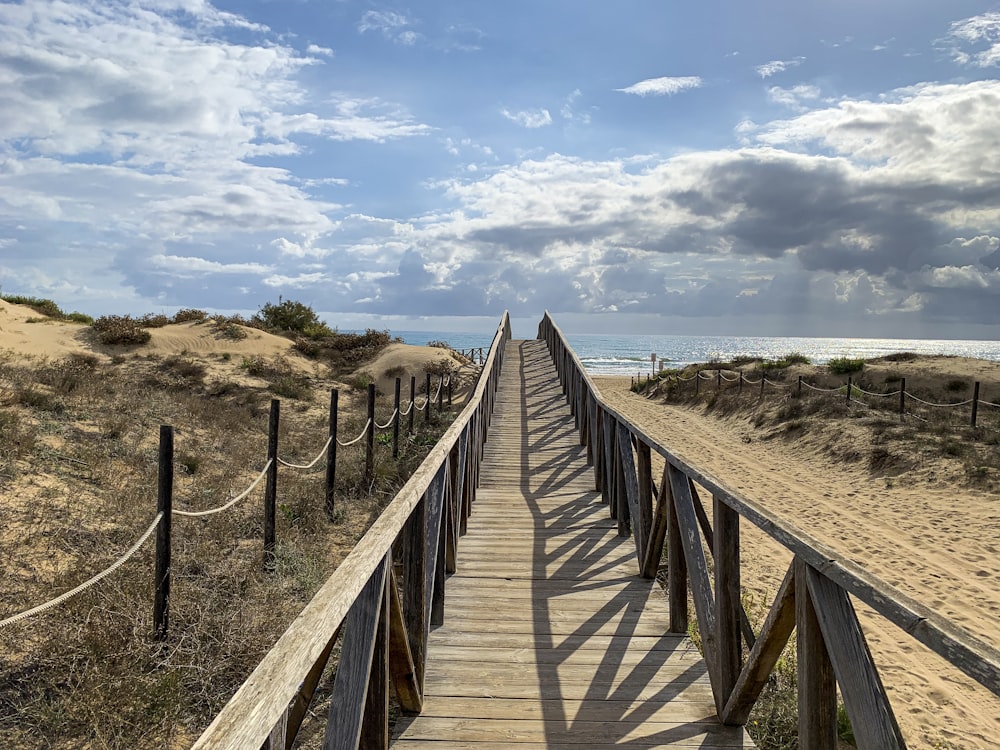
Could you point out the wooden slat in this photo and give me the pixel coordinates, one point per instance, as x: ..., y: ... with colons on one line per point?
x: 817, y: 683
x: 401, y: 666
x: 630, y: 482
x: 658, y: 530
x: 727, y: 601
x: 864, y: 696
x: 350, y: 686
x: 774, y: 634
x: 375, y: 721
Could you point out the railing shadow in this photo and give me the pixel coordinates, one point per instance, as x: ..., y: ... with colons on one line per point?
x: 588, y: 679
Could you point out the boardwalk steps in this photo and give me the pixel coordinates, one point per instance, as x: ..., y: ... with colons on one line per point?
x: 551, y: 639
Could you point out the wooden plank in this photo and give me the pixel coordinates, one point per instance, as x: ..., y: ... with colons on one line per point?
x: 415, y: 593
x: 764, y: 654
x: 630, y: 485
x: 401, y: 666
x: 658, y: 530
x: 694, y: 557
x: 817, y: 684
x: 591, y: 710
x: 864, y: 696
x: 644, y: 477
x: 677, y: 591
x: 727, y: 601
x: 375, y: 719
x: 347, y: 703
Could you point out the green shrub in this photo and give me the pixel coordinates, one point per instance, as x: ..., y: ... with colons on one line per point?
x: 79, y: 317
x: 845, y: 365
x: 39, y: 305
x: 437, y: 344
x: 289, y: 316
x: 120, y: 329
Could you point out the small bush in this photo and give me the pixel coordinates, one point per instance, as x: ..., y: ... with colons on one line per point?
x: 189, y: 314
x: 361, y: 381
x: 743, y: 360
x: 845, y: 365
x: 120, y: 329
x: 79, y: 317
x: 956, y: 385
x: 43, y: 306
x: 153, y: 320
x: 437, y: 344
x: 226, y: 329
x: 289, y: 316
x: 900, y: 357
x: 291, y: 386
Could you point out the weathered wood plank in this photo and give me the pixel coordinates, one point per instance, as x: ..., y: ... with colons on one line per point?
x: 727, y: 600
x: 401, y: 666
x: 350, y: 686
x: 864, y: 696
x: 658, y: 530
x: 817, y: 683
x: 774, y: 634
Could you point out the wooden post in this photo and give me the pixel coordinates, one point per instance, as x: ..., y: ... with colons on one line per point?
x: 450, y: 389
x: 741, y: 382
x: 718, y: 379
x: 413, y: 389
x: 817, y: 684
x: 440, y: 394
x: 800, y: 387
x: 697, y: 382
x: 164, y: 506
x: 762, y: 379
x: 331, y: 453
x: 370, y: 438
x: 427, y: 409
x: 902, y: 400
x: 677, y: 590
x: 395, y: 422
x: 975, y: 403
x: 271, y: 487
x: 726, y: 544
x: 849, y: 386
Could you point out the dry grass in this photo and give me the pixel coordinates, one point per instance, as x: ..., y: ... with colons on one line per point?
x: 78, y: 448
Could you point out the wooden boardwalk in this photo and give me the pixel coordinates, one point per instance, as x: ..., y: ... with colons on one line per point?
x: 551, y: 639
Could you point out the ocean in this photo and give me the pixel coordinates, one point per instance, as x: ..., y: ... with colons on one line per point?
x: 625, y: 354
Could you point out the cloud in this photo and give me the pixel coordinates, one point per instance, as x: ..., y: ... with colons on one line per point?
x: 391, y: 25
x: 774, y: 67
x: 538, y: 118
x: 977, y: 31
x: 799, y: 98
x: 667, y: 86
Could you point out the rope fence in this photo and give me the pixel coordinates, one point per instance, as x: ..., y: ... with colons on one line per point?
x: 161, y: 523
x: 852, y: 392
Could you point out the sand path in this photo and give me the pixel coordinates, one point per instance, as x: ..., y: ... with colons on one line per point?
x: 938, y: 546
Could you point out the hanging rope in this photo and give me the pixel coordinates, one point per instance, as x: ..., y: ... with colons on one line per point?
x: 230, y: 504
x: 312, y: 463
x: 86, y: 584
x: 387, y: 424
x: 358, y: 438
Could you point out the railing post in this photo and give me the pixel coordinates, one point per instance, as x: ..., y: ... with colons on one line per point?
x: 975, y: 403
x: 271, y: 487
x: 331, y: 453
x: 164, y: 506
x: 726, y: 544
x: 440, y: 394
x: 741, y: 382
x: 413, y: 389
x: 677, y: 596
x: 762, y: 380
x: 395, y: 422
x: 370, y: 437
x: 817, y: 684
x: 718, y: 379
x: 799, y: 394
x: 450, y: 390
x: 902, y: 400
x: 427, y: 408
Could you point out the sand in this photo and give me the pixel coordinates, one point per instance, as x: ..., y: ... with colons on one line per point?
x: 938, y: 545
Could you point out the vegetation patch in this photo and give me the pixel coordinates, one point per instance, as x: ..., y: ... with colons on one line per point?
x: 120, y: 330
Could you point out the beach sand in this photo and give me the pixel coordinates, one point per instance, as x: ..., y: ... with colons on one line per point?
x: 937, y: 544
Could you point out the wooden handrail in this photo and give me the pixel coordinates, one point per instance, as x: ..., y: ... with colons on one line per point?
x: 386, y: 623
x: 813, y: 597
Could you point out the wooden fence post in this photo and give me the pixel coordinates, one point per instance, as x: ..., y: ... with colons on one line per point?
x: 164, y: 506
x: 718, y: 379
x: 271, y: 487
x: 762, y: 379
x: 440, y: 393
x: 370, y: 437
x: 849, y: 386
x: 741, y: 382
x: 450, y: 379
x: 817, y: 684
x: 975, y: 403
x: 697, y: 382
x: 800, y: 387
x: 331, y: 453
x: 395, y: 422
x: 413, y: 388
x: 902, y: 400
x: 427, y: 408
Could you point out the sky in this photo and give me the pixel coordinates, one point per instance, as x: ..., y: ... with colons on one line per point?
x: 770, y: 168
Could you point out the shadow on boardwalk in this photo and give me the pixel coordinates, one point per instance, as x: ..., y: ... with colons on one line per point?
x: 551, y: 639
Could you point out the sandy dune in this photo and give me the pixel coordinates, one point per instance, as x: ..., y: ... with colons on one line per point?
x: 940, y: 546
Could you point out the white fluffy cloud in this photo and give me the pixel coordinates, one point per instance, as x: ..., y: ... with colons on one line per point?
x: 537, y: 118
x: 774, y: 67
x: 665, y: 86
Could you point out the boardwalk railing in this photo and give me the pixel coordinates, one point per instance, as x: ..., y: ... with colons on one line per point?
x: 813, y: 599
x: 385, y: 615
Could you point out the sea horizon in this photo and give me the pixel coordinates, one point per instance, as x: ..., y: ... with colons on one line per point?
x: 631, y: 354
